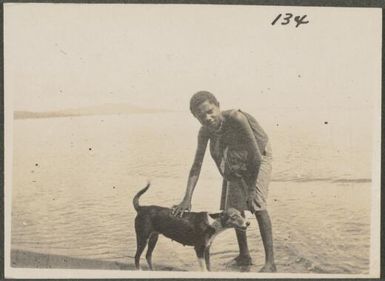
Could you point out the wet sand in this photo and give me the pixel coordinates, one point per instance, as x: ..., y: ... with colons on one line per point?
x: 27, y: 259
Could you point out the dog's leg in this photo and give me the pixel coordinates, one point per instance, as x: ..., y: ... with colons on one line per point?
x: 140, y: 245
x: 200, y: 251
x: 142, y: 234
x: 151, y: 245
x: 207, y: 258
x: 202, y: 264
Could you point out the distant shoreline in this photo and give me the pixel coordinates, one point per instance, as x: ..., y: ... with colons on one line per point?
x: 39, y: 115
x: 20, y: 115
x: 106, y: 109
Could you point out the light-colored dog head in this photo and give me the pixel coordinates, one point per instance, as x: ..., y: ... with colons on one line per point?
x: 231, y: 218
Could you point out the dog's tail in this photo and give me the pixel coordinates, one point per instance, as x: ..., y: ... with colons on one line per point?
x: 135, y: 201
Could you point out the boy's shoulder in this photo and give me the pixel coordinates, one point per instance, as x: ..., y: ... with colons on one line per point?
x: 231, y: 113
x: 235, y: 114
x: 203, y: 132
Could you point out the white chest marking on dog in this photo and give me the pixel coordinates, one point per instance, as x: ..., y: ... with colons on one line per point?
x: 210, y: 219
x: 218, y: 228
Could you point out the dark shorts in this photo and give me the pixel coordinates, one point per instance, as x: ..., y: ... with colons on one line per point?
x: 233, y: 194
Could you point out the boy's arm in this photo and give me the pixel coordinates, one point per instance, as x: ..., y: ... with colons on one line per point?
x: 242, y: 124
x: 185, y: 205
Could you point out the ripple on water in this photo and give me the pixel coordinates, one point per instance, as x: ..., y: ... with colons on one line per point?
x: 318, y: 226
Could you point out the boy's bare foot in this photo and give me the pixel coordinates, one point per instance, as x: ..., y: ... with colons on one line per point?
x: 243, y: 260
x: 268, y: 268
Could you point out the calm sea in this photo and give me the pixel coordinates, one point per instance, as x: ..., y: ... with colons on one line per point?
x: 74, y: 180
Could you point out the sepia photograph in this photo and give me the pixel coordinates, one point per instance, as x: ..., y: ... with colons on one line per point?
x: 192, y: 141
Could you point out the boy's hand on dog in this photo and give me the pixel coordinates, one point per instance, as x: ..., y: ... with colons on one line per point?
x: 178, y: 210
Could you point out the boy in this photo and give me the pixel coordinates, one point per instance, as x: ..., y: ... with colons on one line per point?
x: 241, y: 151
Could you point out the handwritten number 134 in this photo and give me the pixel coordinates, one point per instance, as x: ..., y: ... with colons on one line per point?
x: 286, y: 20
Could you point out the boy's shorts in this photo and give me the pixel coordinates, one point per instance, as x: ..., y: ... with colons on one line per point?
x: 233, y: 195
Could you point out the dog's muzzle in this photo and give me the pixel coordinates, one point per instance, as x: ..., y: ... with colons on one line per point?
x: 243, y: 228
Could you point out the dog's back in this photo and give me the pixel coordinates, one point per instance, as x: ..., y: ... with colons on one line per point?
x: 185, y: 230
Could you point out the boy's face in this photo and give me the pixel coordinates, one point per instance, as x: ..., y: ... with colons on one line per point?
x: 209, y: 115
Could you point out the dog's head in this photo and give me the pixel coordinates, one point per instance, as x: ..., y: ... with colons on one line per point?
x: 231, y: 218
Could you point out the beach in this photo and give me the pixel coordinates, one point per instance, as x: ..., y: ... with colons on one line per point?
x: 302, y: 242
x: 73, y: 184
x: 97, y: 103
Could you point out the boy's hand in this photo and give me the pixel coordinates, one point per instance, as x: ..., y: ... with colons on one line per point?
x: 184, y: 206
x: 251, y: 202
x: 251, y: 194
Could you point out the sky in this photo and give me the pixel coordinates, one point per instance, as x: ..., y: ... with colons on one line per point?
x: 60, y: 56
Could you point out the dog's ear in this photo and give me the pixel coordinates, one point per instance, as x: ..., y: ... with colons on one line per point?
x: 215, y: 216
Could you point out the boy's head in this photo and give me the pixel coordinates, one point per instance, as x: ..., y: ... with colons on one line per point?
x: 199, y: 98
x: 205, y: 107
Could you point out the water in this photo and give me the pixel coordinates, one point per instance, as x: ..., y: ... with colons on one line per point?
x: 74, y: 180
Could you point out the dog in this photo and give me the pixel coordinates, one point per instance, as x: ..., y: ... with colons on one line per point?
x: 197, y: 229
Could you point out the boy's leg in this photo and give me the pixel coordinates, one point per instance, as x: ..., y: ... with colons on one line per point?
x: 244, y: 255
x: 267, y: 238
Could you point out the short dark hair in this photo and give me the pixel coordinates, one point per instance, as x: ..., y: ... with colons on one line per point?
x: 199, y: 98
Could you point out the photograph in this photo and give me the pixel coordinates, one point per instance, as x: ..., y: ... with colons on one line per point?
x: 191, y: 141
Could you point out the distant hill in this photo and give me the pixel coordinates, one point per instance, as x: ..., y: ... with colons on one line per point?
x: 105, y: 109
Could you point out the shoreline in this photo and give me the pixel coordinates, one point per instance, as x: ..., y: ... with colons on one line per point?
x: 29, y: 259
x: 34, y: 260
